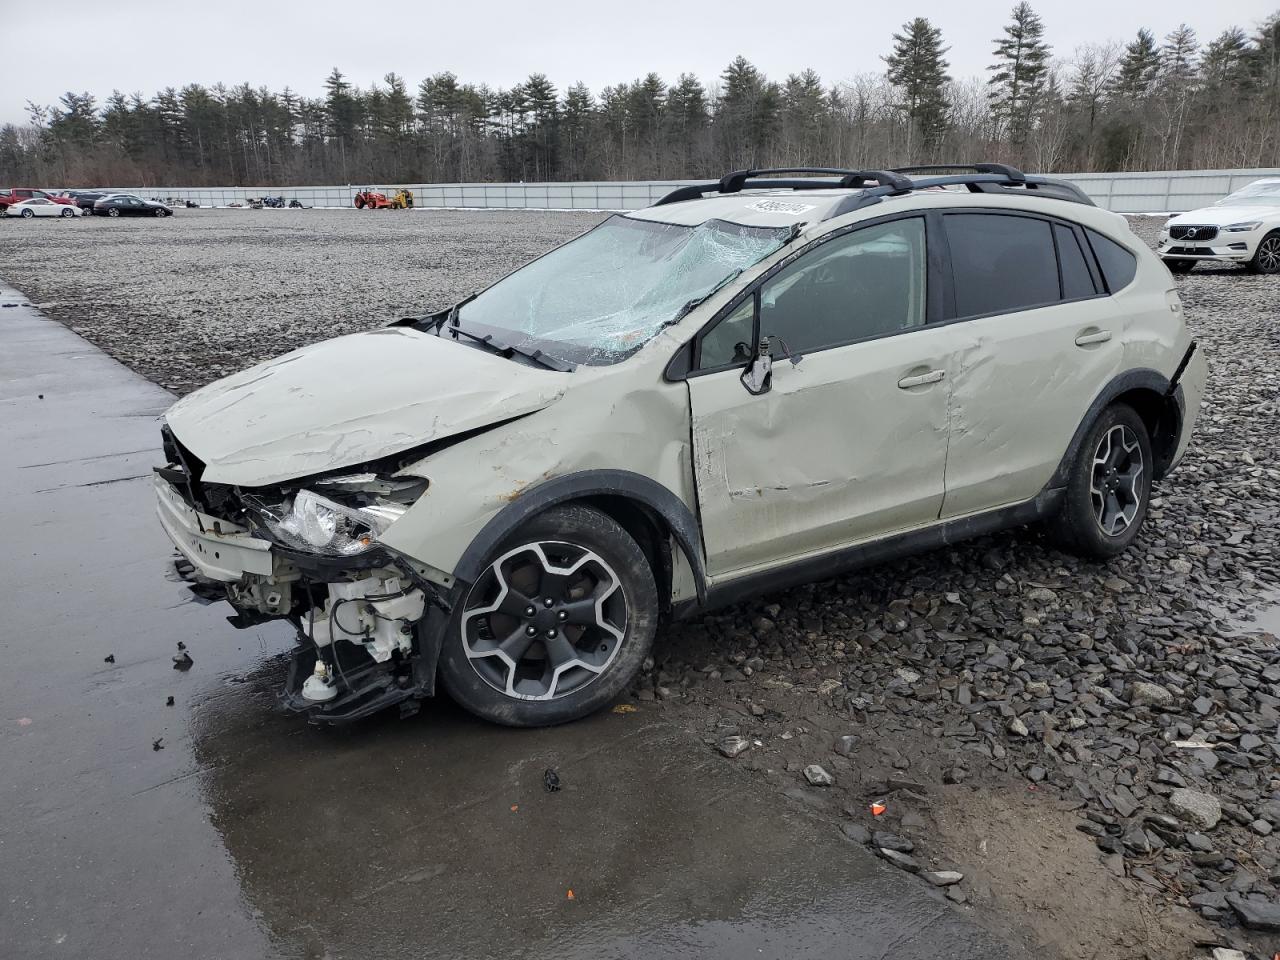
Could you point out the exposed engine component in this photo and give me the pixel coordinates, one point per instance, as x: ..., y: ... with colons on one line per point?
x: 320, y: 686
x: 270, y: 596
x: 377, y: 612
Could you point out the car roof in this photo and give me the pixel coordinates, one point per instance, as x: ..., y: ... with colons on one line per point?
x: 751, y: 208
x: 812, y: 209
x: 763, y: 198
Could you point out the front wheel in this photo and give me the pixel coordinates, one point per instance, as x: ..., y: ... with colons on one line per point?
x: 161, y: 212
x: 1266, y: 259
x: 1180, y: 266
x: 1109, y: 487
x: 557, y: 624
x: 68, y: 212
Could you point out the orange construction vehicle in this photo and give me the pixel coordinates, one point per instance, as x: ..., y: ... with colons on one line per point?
x: 377, y: 200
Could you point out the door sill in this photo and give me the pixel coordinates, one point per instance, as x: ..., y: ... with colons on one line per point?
x: 844, y: 559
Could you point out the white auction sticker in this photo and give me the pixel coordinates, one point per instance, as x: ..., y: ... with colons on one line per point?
x: 779, y: 206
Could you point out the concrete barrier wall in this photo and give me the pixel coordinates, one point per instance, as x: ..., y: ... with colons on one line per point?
x: 1151, y: 192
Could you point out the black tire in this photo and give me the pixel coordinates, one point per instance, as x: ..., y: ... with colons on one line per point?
x: 1078, y: 526
x: 113, y: 212
x: 68, y: 212
x: 1266, y: 259
x: 1180, y: 266
x: 161, y: 212
x: 28, y: 214
x: 567, y: 534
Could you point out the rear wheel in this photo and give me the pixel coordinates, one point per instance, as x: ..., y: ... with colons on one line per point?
x: 28, y: 214
x: 1266, y: 259
x: 113, y: 212
x: 556, y: 625
x: 1180, y: 266
x: 1109, y: 487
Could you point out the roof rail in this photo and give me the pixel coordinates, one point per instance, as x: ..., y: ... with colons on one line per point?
x: 984, y: 178
x: 1012, y: 173
x: 999, y: 183
x: 976, y: 183
x: 886, y: 180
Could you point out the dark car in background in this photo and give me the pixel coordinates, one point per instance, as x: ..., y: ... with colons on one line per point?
x: 85, y: 199
x: 127, y: 205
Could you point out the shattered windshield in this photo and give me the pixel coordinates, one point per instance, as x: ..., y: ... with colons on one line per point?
x: 1254, y: 195
x: 596, y: 299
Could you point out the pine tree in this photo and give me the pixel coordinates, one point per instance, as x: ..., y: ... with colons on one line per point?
x: 1138, y: 69
x: 575, y: 129
x: 344, y: 108
x: 1225, y: 59
x: 747, y: 114
x: 918, y: 68
x: 1019, y: 73
x: 1178, y: 55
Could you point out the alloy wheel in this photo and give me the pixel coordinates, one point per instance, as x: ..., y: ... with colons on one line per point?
x: 1115, y: 486
x: 544, y: 620
x: 1269, y: 255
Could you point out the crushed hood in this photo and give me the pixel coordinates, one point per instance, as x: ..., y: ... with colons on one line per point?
x: 349, y: 400
x: 1224, y: 216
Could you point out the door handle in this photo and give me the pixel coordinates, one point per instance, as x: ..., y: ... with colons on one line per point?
x: 1096, y: 336
x: 921, y: 380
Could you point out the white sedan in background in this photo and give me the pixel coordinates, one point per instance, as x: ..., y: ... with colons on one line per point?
x: 42, y: 207
x: 1242, y: 228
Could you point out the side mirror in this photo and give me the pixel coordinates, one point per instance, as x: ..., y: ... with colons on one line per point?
x: 758, y: 377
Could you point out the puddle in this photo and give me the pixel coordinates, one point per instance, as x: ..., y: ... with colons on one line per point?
x: 1264, y: 619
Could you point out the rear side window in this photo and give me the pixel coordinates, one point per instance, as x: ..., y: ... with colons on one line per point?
x: 1076, y: 279
x: 1001, y: 263
x: 1119, y: 266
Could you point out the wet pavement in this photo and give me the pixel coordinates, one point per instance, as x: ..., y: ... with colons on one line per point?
x: 249, y: 834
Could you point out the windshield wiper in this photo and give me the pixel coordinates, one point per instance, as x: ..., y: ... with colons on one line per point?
x: 488, y: 342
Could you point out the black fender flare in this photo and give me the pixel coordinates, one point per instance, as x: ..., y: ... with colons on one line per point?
x: 575, y: 486
x: 1140, y: 378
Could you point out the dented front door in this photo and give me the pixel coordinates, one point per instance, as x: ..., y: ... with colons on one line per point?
x: 848, y: 445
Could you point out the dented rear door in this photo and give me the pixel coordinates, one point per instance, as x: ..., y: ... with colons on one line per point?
x: 836, y: 452
x: 1025, y: 373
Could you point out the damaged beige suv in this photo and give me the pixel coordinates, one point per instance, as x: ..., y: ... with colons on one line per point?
x: 756, y: 382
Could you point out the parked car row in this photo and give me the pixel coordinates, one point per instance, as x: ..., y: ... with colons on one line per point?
x: 27, y: 203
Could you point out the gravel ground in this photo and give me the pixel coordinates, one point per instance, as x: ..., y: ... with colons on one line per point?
x: 204, y: 293
x: 1093, y: 749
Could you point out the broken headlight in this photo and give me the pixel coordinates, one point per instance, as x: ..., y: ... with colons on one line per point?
x: 308, y: 521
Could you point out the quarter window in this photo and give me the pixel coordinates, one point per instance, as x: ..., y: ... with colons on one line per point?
x: 1119, y: 266
x: 1001, y: 263
x: 729, y: 341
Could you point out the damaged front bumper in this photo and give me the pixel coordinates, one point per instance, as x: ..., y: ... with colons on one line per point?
x: 369, y: 626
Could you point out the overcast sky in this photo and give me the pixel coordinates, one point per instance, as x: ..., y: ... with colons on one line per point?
x: 144, y: 45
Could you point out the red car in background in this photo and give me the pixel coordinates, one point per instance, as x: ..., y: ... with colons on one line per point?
x: 10, y: 195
